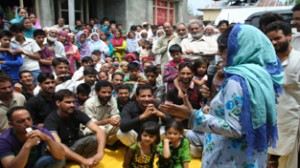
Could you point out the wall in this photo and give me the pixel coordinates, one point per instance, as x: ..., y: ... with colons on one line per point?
x: 137, y: 12
x: 115, y: 10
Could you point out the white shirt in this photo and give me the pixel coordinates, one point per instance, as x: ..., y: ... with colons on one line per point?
x: 58, y: 47
x: 31, y: 47
x: 201, y: 47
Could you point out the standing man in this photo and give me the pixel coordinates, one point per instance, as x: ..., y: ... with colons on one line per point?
x: 8, y: 99
x: 162, y: 45
x: 60, y: 24
x: 296, y: 21
x: 199, y: 46
x: 103, y: 111
x: 64, y: 124
x: 21, y: 147
x: 182, y: 33
x: 285, y: 154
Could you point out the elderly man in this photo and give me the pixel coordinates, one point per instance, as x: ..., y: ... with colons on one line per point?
x: 182, y: 33
x: 199, y: 46
x: 52, y: 43
x: 162, y: 44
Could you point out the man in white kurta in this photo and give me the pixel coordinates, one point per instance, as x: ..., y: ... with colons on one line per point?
x: 296, y: 21
x: 199, y: 46
x: 288, y: 107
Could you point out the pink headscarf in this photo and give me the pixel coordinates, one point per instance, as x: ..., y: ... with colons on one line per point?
x: 117, y: 42
x: 67, y: 44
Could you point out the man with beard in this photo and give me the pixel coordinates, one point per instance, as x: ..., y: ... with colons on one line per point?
x: 296, y: 21
x: 54, y: 45
x: 64, y: 124
x: 89, y: 77
x: 26, y: 80
x: 199, y: 46
x: 43, y: 104
x: 137, y: 112
x: 162, y: 44
x: 103, y: 111
x: 182, y: 33
x: 8, y: 99
x: 185, y: 78
x: 288, y: 111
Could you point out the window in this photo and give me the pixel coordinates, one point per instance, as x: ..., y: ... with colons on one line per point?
x: 163, y: 11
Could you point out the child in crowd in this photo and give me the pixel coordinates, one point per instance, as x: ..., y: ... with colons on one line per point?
x: 134, y: 76
x: 10, y: 58
x: 219, y: 76
x: 141, y: 153
x: 145, y: 50
x: 200, y: 69
x: 174, y: 150
x: 47, y: 54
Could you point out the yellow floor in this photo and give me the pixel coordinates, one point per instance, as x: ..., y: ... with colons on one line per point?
x: 114, y: 159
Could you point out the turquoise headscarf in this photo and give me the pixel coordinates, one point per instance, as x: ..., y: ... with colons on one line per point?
x: 17, y: 18
x: 252, y: 61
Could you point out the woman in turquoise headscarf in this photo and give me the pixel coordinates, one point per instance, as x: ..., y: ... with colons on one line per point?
x: 19, y: 15
x: 241, y: 122
x: 29, y: 29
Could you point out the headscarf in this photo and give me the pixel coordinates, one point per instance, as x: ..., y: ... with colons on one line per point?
x: 132, y: 44
x: 130, y: 55
x: 117, y: 42
x: 252, y: 61
x: 83, y: 48
x: 67, y: 44
x: 17, y: 18
x: 95, y: 45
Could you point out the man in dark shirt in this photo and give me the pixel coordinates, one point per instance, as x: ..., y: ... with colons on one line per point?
x: 123, y: 96
x: 187, y: 85
x: 64, y: 124
x: 24, y: 145
x: 43, y: 104
x: 135, y: 113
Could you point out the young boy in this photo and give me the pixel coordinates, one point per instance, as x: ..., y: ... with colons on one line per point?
x: 47, y: 55
x: 134, y: 77
x: 30, y: 50
x: 10, y: 58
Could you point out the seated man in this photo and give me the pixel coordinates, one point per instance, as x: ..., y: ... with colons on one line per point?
x: 123, y: 96
x: 103, y: 111
x: 135, y: 113
x: 64, y: 124
x: 24, y: 145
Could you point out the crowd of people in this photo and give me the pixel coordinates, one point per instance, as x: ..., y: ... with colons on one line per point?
x: 229, y: 95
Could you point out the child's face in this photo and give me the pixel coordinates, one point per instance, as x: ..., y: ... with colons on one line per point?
x: 39, y: 39
x: 5, y: 41
x: 176, y: 56
x: 82, y: 97
x: 202, y: 69
x: 173, y: 135
x: 133, y: 74
x: 151, y: 77
x: 147, y: 139
x: 125, y: 68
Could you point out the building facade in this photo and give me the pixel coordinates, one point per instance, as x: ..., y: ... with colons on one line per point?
x: 126, y: 12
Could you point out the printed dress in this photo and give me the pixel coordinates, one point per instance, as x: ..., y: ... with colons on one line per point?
x: 139, y: 160
x: 224, y: 143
